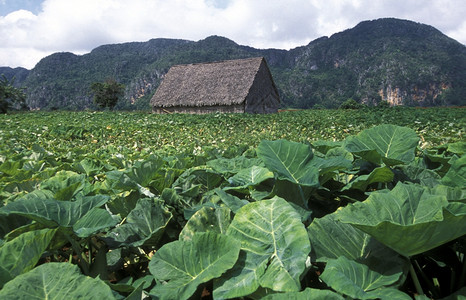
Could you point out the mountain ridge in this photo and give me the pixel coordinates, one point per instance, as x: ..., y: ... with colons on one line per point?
x: 399, y: 61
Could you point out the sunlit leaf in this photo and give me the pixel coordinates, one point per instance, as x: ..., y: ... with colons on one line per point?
x: 232, y: 202
x: 83, y: 215
x: 184, y: 265
x: 230, y: 166
x: 274, y: 248
x: 386, y: 143
x: 207, y: 219
x: 408, y: 219
x: 290, y: 161
x: 56, y: 281
x: 456, y: 176
x: 64, y: 184
x: 307, y: 294
x: 378, y: 175
x: 358, y: 281
x: 144, y: 225
x: 250, y: 177
x: 331, y: 239
x: 22, y: 253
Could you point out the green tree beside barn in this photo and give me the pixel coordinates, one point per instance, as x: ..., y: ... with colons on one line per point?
x: 107, y: 94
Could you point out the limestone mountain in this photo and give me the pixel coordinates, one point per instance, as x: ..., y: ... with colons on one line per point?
x: 17, y: 75
x: 403, y: 62
x: 398, y: 61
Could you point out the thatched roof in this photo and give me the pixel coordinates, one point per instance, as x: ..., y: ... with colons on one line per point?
x: 207, y: 84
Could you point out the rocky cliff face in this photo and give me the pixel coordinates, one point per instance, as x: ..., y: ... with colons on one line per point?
x: 142, y: 86
x: 418, y: 96
x: 402, y: 62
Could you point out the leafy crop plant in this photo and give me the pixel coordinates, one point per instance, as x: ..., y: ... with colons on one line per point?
x: 377, y: 215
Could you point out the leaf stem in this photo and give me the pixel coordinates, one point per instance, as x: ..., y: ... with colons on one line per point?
x: 83, y: 263
x: 89, y: 245
x: 462, y: 279
x: 416, y: 282
x: 432, y: 287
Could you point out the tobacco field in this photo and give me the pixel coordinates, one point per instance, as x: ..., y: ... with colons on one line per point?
x: 313, y: 204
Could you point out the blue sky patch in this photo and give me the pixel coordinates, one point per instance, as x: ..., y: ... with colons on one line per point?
x: 8, y: 6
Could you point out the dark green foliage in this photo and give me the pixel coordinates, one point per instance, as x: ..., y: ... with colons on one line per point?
x: 351, y: 104
x: 19, y: 74
x: 383, y: 104
x: 107, y: 94
x: 310, y: 204
x: 10, y: 97
x: 318, y: 106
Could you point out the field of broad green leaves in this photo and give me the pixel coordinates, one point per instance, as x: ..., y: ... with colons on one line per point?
x: 313, y: 204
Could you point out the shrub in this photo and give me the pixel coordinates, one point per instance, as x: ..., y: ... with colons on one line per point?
x: 318, y: 106
x: 108, y: 93
x: 383, y: 104
x: 351, y: 104
x: 11, y: 97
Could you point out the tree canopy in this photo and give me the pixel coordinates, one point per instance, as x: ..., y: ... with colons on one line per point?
x: 107, y: 94
x: 10, y: 96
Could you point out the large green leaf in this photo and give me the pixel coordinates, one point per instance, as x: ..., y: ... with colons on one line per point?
x: 249, y: 177
x: 331, y: 239
x: 164, y: 178
x: 56, y: 281
x: 332, y: 164
x: 144, y: 171
x: 290, y: 161
x: 119, y: 180
x: 227, y: 166
x: 456, y: 175
x: 457, y: 148
x: 22, y: 253
x: 232, y: 202
x: 123, y: 203
x: 144, y: 225
x: 358, y: 281
x: 252, y: 182
x: 184, y: 265
x: 90, y: 167
x: 386, y: 143
x: 408, y: 219
x: 65, y: 184
x: 452, y: 193
x: 378, y: 175
x: 83, y: 215
x: 11, y: 222
x: 11, y: 168
x: 207, y: 219
x: 296, y: 172
x: 307, y: 294
x: 94, y: 221
x: 419, y: 174
x: 197, y: 179
x: 274, y: 247
x: 323, y: 146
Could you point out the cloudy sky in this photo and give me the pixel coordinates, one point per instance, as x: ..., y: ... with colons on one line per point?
x: 32, y: 29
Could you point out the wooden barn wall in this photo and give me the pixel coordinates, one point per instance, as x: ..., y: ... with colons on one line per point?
x: 200, y: 109
x: 262, y: 97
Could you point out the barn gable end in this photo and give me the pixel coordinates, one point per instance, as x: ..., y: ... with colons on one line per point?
x: 243, y: 85
x: 263, y: 95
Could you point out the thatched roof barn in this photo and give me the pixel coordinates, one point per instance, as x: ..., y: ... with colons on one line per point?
x: 242, y: 85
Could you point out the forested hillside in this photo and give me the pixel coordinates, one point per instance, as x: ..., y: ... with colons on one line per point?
x: 402, y: 62
x: 17, y: 75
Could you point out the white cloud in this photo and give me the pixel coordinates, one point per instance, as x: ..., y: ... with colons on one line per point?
x: 81, y: 25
